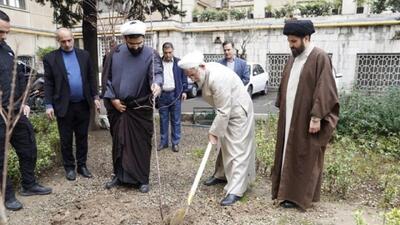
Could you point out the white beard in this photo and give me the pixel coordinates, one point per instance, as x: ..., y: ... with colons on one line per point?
x: 202, y: 77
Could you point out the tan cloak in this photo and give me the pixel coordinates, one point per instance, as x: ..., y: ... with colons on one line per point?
x: 234, y: 125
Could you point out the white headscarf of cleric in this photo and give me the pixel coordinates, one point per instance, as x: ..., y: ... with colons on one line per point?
x: 191, y: 60
x: 133, y: 27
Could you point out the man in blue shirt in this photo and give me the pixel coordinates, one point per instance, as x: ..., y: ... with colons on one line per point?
x: 70, y: 90
x: 173, y: 92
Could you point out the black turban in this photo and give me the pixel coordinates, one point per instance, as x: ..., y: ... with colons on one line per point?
x: 300, y: 28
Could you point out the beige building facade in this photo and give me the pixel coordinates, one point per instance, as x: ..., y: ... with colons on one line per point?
x: 31, y: 26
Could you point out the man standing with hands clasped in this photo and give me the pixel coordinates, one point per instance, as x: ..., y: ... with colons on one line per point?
x: 308, y: 113
x: 70, y: 90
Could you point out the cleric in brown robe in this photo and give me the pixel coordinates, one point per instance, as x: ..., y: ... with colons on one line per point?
x: 308, y: 113
x: 134, y: 75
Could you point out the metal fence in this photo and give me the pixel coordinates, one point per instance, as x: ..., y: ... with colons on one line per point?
x: 377, y: 72
x: 213, y: 57
x: 274, y: 65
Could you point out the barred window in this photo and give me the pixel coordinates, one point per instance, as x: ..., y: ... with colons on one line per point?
x: 377, y: 72
x: 275, y: 65
x: 213, y: 57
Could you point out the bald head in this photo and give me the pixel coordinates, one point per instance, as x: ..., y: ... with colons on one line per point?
x: 66, y: 39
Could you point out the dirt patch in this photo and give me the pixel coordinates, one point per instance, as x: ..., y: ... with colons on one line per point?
x: 85, y: 201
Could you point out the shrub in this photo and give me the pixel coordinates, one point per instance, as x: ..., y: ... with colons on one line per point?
x: 238, y: 14
x: 390, y: 184
x: 367, y: 118
x: 41, y: 52
x: 266, y: 132
x: 393, y: 217
x: 339, y: 167
x: 315, y: 8
x: 47, y: 141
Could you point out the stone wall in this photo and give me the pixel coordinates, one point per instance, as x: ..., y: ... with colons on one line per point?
x: 342, y: 36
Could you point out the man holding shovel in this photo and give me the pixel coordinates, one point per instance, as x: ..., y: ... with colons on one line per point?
x: 233, y: 126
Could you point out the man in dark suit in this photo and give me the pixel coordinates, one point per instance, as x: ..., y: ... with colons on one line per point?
x: 173, y: 91
x: 234, y: 63
x: 23, y: 136
x: 70, y: 90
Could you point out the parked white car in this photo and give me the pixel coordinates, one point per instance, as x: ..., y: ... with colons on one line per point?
x: 258, y: 79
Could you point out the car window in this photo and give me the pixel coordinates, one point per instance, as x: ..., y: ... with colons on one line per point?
x: 257, y: 69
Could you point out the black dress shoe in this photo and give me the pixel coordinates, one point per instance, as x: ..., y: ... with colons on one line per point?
x: 70, y: 174
x: 161, y: 147
x: 36, y: 189
x: 230, y: 199
x: 213, y: 181
x: 144, y: 188
x: 288, y: 204
x: 13, y: 204
x: 115, y: 182
x: 175, y: 148
x: 83, y: 170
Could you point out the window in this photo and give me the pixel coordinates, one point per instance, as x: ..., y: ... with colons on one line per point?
x: 13, y: 3
x: 257, y: 69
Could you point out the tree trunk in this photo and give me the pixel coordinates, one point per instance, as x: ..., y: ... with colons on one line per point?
x: 89, y: 32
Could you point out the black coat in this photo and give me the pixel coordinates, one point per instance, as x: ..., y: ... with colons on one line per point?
x: 56, y: 85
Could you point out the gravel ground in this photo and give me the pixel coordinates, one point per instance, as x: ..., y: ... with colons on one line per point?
x: 85, y: 201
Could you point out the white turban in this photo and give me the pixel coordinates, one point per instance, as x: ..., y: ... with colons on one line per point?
x: 133, y: 27
x: 191, y: 60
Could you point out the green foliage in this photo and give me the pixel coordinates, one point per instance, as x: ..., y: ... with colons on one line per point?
x: 41, y: 52
x: 339, y: 167
x: 390, y: 184
x: 266, y: 132
x: 378, y: 6
x: 69, y: 12
x: 393, y: 217
x: 212, y: 15
x: 373, y: 121
x: 286, y: 11
x: 358, y: 217
x: 394, y: 5
x: 238, y: 14
x: 198, y: 152
x: 315, y: 8
x: 47, y: 141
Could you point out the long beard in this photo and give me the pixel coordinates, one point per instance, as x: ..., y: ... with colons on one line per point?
x: 202, y: 78
x: 297, y: 51
x: 135, y: 51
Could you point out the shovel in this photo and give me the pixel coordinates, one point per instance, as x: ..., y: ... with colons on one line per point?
x: 179, y: 215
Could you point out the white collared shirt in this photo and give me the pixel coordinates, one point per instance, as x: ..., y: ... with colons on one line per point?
x: 231, y: 65
x: 169, y: 81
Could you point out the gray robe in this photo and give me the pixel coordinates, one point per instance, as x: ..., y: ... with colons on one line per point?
x: 233, y: 125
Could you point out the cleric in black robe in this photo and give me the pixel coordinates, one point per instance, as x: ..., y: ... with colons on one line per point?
x: 131, y: 85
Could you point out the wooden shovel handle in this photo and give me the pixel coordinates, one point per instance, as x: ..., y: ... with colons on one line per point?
x: 199, y: 173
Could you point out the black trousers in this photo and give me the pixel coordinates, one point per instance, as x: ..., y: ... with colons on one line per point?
x: 24, y: 143
x: 76, y: 121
